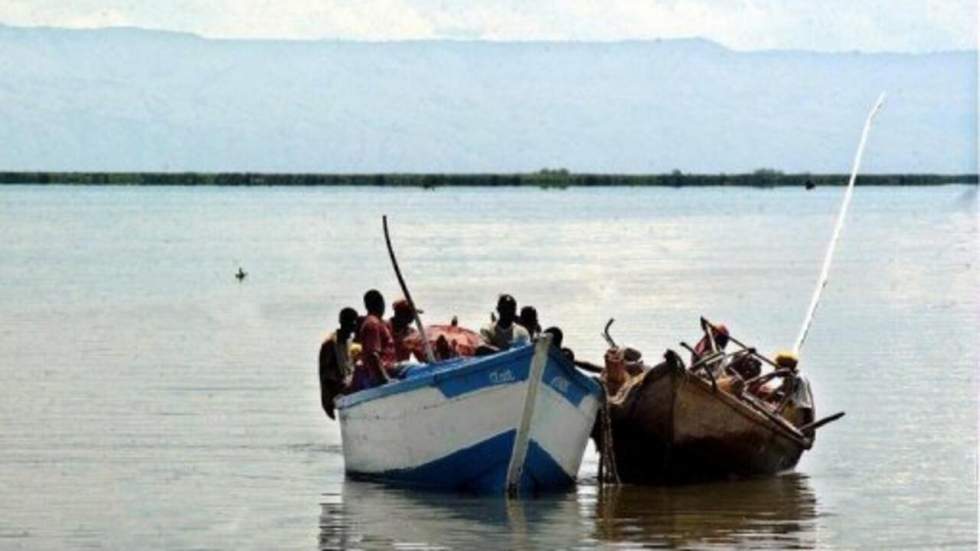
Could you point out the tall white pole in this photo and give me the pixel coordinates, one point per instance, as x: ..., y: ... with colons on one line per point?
x: 825, y: 271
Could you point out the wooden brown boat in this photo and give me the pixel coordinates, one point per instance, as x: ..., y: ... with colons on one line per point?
x: 670, y: 424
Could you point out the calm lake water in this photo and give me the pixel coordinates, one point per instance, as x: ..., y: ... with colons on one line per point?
x: 152, y: 401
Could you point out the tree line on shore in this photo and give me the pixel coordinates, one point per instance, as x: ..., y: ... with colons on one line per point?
x: 547, y: 178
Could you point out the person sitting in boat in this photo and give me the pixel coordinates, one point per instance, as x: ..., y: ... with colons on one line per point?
x: 799, y: 410
x: 377, y: 346
x: 557, y: 339
x: 505, y: 332
x: 529, y: 320
x: 776, y: 385
x: 622, y: 364
x: 400, y: 325
x: 729, y: 372
x: 745, y: 365
x: 336, y: 363
x: 792, y: 396
x: 719, y: 333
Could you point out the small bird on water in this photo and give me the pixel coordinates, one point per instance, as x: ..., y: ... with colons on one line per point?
x: 241, y: 274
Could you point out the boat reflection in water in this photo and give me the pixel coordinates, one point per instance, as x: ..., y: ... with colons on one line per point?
x: 368, y: 515
x: 777, y: 512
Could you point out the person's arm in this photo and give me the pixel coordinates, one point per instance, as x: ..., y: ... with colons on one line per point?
x: 521, y: 335
x: 326, y: 355
x: 371, y: 350
x: 486, y: 333
x: 587, y: 366
x: 345, y: 365
x: 323, y: 369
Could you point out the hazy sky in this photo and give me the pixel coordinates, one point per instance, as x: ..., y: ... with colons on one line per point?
x: 871, y: 25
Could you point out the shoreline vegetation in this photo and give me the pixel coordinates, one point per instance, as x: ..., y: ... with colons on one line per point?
x: 547, y: 178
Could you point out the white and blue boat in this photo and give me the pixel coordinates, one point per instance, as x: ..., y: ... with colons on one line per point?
x: 517, y: 421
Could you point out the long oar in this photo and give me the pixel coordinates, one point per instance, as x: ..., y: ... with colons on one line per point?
x: 825, y: 271
x: 401, y: 282
x: 817, y: 424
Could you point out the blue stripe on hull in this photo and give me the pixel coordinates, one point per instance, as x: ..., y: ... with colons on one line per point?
x: 481, y: 468
x: 541, y: 472
x: 492, y: 372
x: 564, y: 379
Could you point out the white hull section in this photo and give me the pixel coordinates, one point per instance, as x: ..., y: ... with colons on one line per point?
x: 415, y: 428
x: 562, y: 429
x: 518, y: 420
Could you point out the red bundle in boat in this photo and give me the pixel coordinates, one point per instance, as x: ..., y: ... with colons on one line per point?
x: 447, y: 341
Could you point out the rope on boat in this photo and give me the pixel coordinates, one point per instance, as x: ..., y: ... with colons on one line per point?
x: 608, y: 474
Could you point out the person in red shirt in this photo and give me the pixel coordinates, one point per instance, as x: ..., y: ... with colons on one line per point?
x: 703, y: 347
x: 377, y: 345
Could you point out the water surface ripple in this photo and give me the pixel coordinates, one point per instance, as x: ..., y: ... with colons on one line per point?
x: 150, y: 400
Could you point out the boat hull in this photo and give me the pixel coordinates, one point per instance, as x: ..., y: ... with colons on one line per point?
x: 672, y: 427
x: 518, y: 420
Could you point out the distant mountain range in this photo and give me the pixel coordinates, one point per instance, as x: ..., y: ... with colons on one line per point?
x: 137, y: 100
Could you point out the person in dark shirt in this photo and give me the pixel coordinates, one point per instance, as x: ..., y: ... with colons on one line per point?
x: 557, y: 340
x: 529, y: 320
x: 335, y: 365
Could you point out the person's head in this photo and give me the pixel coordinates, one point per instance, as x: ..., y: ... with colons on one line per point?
x: 374, y: 302
x: 506, y: 310
x: 788, y: 360
x: 557, y: 337
x: 348, y: 320
x: 403, y: 314
x: 529, y: 319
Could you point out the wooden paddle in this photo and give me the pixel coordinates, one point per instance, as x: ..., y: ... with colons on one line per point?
x: 817, y: 424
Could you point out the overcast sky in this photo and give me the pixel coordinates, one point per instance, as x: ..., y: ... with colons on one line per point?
x: 834, y: 25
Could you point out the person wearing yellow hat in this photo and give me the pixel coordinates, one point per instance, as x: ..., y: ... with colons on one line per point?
x: 793, y: 392
x: 797, y: 392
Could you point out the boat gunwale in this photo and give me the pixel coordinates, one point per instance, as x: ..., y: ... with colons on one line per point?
x: 468, y: 366
x: 437, y: 375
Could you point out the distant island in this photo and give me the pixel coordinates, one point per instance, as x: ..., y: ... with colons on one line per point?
x: 547, y: 178
x: 131, y: 100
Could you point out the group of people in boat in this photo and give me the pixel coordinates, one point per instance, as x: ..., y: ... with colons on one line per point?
x: 784, y: 390
x: 367, y: 350
x: 364, y: 350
